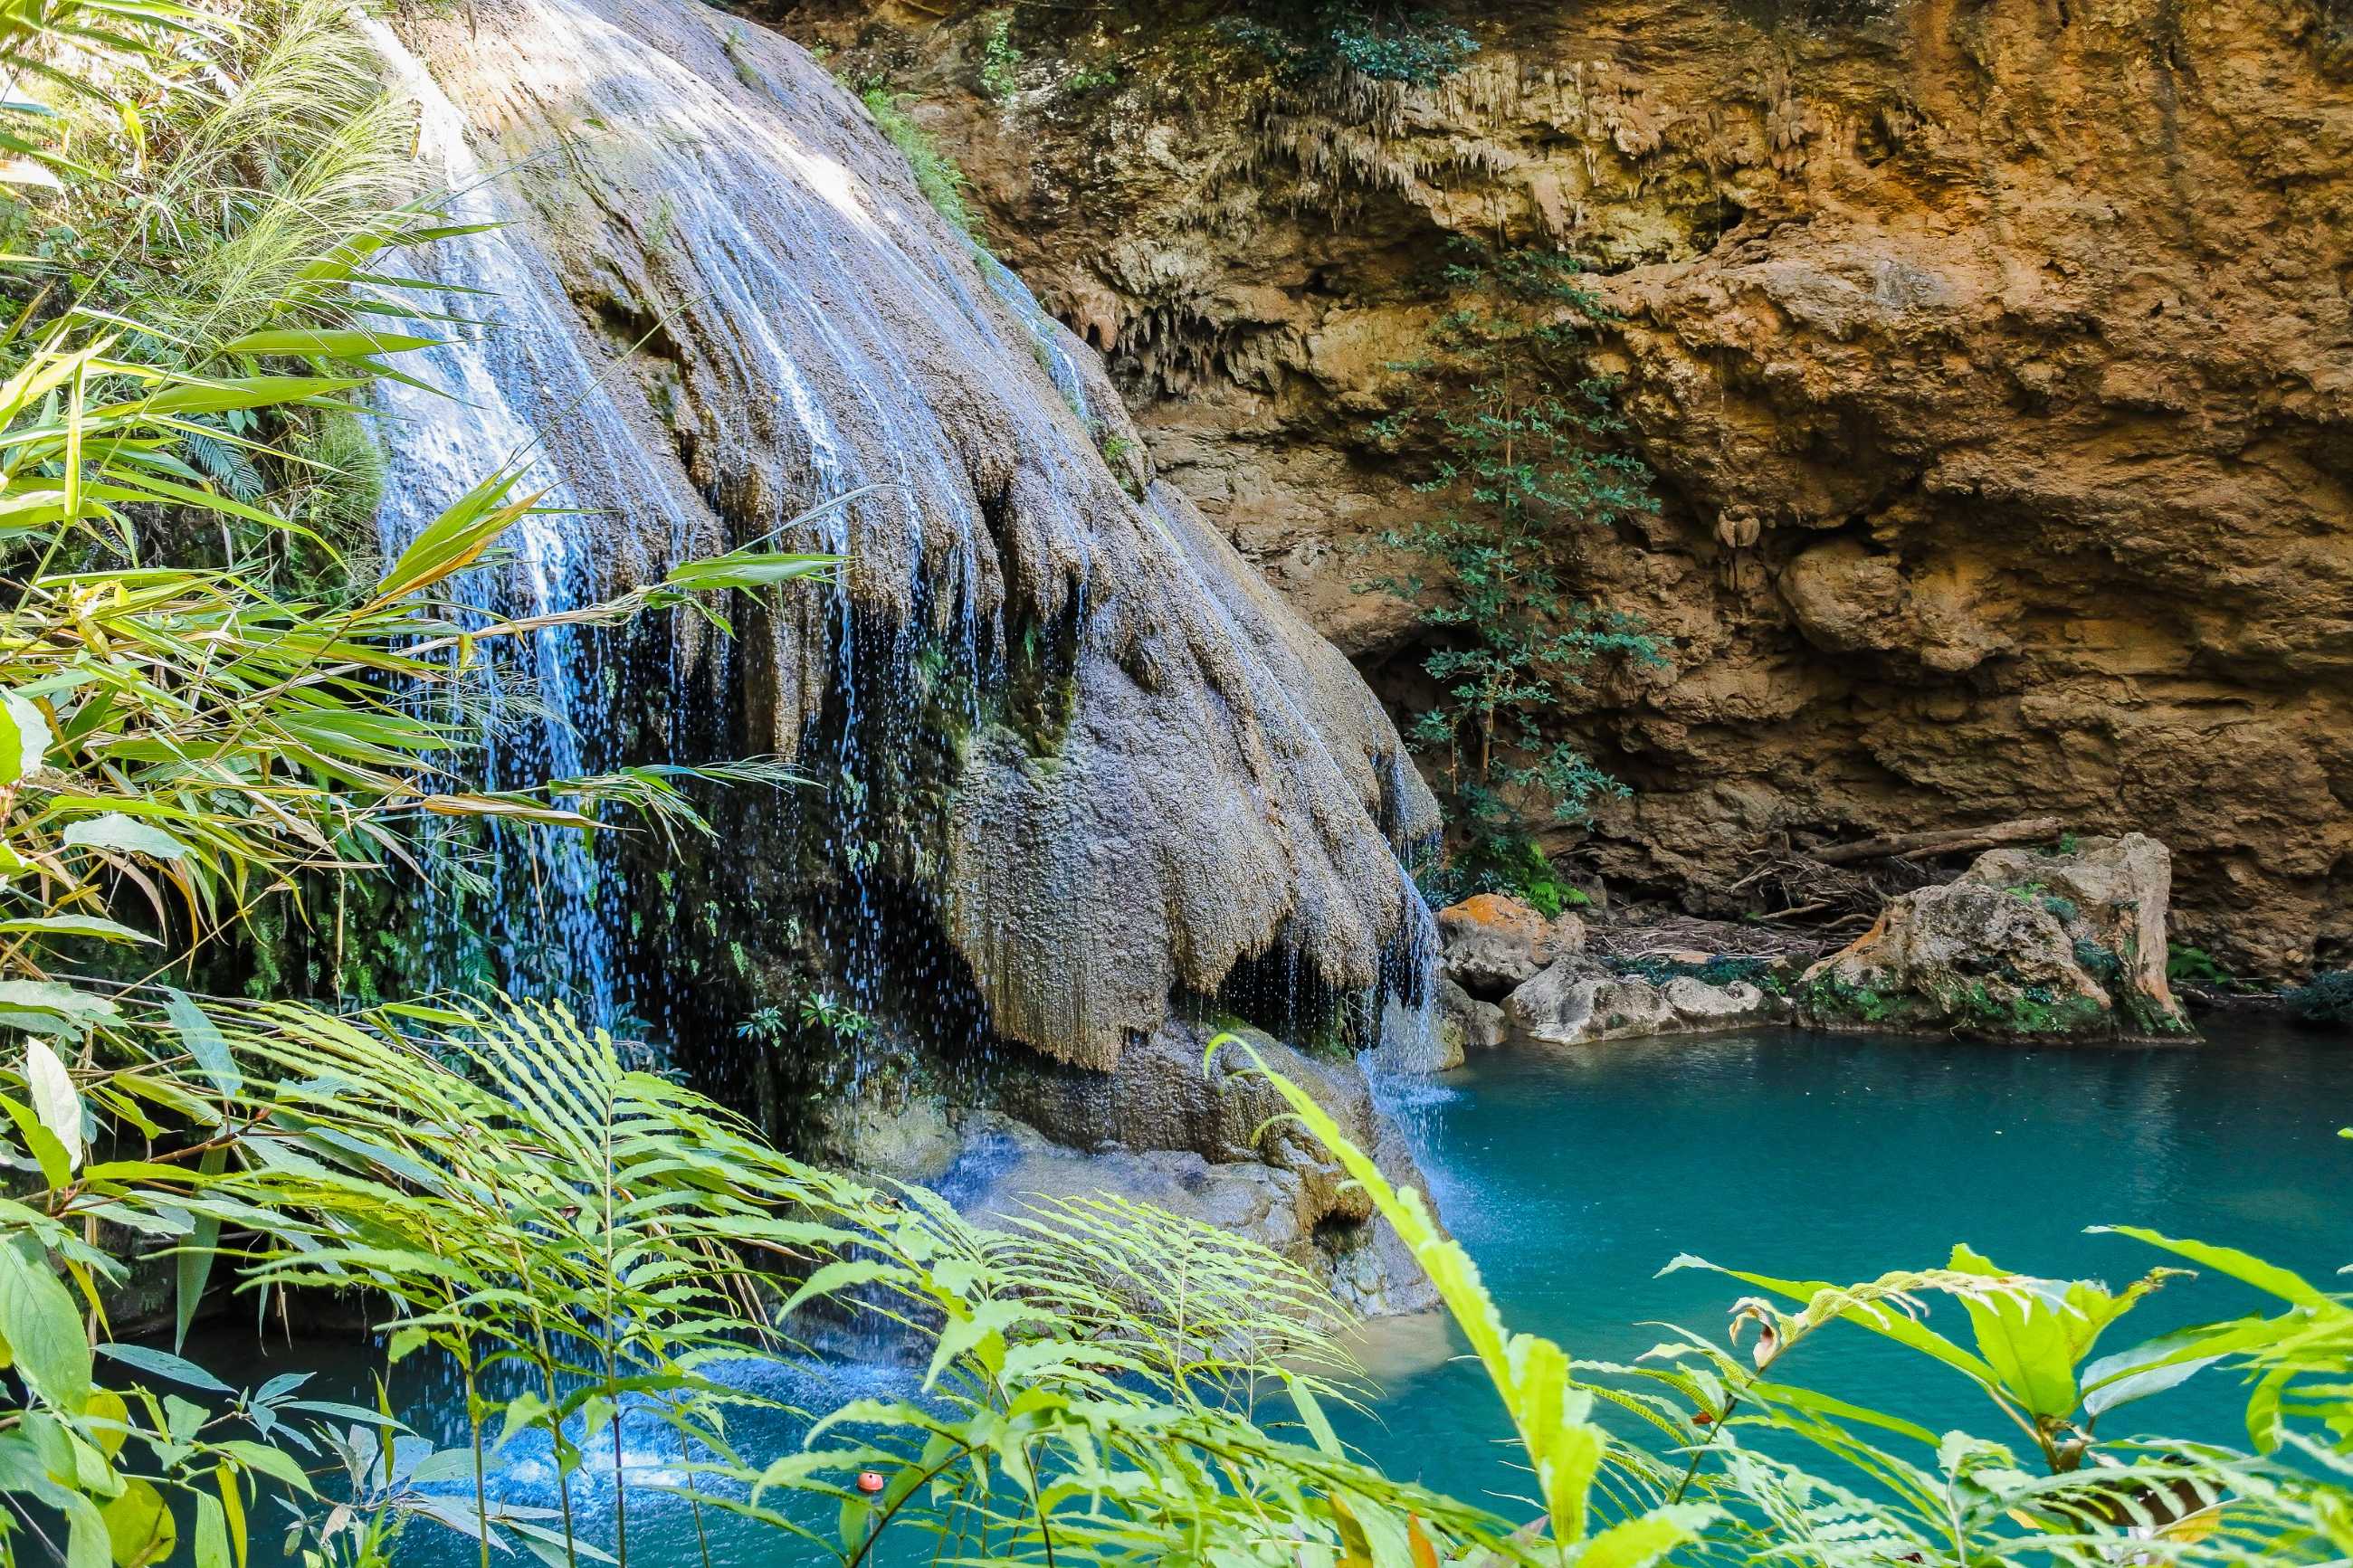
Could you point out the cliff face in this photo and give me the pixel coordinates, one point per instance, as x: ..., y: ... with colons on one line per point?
x: 1995, y: 362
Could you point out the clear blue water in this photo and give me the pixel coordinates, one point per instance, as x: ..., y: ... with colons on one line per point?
x: 1574, y: 1176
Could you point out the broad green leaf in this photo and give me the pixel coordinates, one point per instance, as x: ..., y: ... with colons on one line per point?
x: 2145, y: 1369
x: 748, y: 569
x: 457, y: 539
x: 232, y: 1502
x: 242, y: 392
x: 54, y: 1099
x: 25, y: 737
x: 1642, y: 1540
x: 43, y: 1327
x: 163, y: 1364
x: 74, y: 925
x: 193, y: 1264
x: 328, y: 342
x: 113, y: 830
x: 2286, y: 1284
x: 139, y: 1528
x: 107, y: 1415
x: 77, y: 1010
x: 47, y: 1153
x: 203, y: 1040
x: 212, y: 1550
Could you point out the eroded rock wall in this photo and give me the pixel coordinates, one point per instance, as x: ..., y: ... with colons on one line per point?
x: 1994, y: 358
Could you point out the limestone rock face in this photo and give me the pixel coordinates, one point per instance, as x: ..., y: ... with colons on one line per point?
x: 1994, y: 359
x: 2110, y: 892
x: 2023, y: 946
x: 1494, y: 941
x: 1052, y: 709
x: 1157, y: 1130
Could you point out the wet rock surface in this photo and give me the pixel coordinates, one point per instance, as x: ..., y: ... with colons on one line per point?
x: 1057, y: 715
x: 1160, y: 1128
x: 1494, y: 941
x: 1572, y: 1004
x: 1556, y: 988
x: 2023, y: 946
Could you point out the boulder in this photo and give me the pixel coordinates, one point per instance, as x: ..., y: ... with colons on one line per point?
x: 1477, y: 1025
x: 1494, y: 941
x: 2024, y: 945
x: 1223, y: 1136
x: 1571, y: 1004
x: 2114, y: 894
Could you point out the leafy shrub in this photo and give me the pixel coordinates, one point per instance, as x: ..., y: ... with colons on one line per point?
x: 2327, y: 998
x: 1000, y: 59
x: 1522, y: 460
x: 2195, y: 966
x: 1496, y: 858
x: 1719, y: 969
x: 1415, y: 49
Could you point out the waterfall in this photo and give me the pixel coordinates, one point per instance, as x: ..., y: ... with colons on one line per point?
x: 549, y: 916
x: 1056, y: 350
x: 1069, y: 759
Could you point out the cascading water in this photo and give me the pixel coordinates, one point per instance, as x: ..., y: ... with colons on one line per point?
x: 546, y: 923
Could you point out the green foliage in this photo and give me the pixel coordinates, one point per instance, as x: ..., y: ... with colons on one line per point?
x: 1334, y: 36
x: 1720, y: 969
x: 2327, y: 998
x: 1725, y: 1476
x: 2195, y: 966
x: 1118, y: 455
x: 1000, y: 59
x: 2101, y: 962
x: 183, y: 748
x: 584, y: 1244
x: 1523, y: 465
x: 1833, y: 997
x: 942, y: 182
x: 1496, y: 856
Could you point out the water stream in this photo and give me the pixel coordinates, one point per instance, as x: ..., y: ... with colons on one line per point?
x: 476, y: 406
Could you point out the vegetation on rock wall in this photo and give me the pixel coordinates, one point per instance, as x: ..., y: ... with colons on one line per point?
x: 1304, y: 43
x: 2325, y: 999
x: 1523, y: 466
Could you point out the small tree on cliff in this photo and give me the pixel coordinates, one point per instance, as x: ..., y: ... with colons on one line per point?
x: 1522, y: 436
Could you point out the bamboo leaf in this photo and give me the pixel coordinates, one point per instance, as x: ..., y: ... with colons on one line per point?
x: 38, y: 1320
x: 25, y: 738
x: 193, y: 1264
x: 113, y: 830
x: 54, y: 1099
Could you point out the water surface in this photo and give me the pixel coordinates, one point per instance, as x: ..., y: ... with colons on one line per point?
x: 1574, y: 1176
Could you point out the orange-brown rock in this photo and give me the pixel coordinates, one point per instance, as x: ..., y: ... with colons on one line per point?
x: 1494, y: 942
x: 1995, y: 362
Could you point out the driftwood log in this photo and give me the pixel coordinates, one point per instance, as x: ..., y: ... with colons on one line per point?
x: 1941, y: 841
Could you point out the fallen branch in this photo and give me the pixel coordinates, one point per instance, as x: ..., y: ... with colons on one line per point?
x: 1942, y: 841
